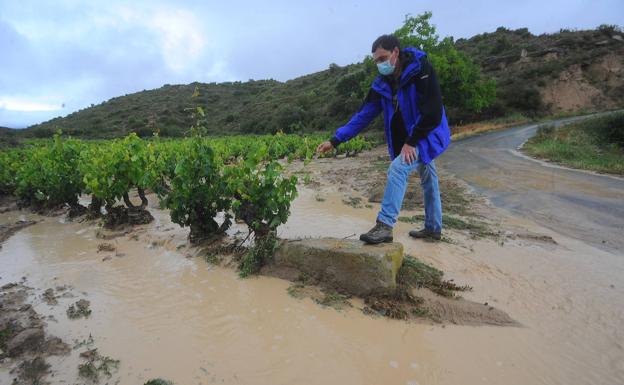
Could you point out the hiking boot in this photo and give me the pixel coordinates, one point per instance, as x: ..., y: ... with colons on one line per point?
x: 378, y: 234
x: 426, y: 234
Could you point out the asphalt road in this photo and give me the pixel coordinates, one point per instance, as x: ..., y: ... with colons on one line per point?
x: 577, y: 204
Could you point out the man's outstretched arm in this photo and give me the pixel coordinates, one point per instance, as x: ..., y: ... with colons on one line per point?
x: 369, y: 111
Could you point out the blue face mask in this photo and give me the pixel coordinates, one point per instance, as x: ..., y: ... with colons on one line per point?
x: 385, y: 68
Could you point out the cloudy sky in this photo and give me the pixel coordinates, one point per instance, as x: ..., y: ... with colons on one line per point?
x: 60, y: 56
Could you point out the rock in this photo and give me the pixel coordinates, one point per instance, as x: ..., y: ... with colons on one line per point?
x: 343, y: 264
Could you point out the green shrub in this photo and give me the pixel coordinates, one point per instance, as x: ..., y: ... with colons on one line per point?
x: 49, y: 176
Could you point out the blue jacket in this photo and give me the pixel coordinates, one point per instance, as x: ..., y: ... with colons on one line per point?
x: 429, y: 131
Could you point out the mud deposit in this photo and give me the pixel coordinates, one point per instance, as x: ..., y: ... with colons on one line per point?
x: 160, y: 308
x: 421, y: 295
x: 24, y: 343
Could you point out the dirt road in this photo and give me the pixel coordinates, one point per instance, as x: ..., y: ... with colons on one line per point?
x: 578, y: 204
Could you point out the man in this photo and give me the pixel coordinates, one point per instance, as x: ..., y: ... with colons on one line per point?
x: 416, y: 130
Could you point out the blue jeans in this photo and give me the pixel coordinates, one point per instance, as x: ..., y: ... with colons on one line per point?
x: 397, y: 185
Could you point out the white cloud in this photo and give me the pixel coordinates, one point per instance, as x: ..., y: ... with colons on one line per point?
x: 181, y: 38
x: 179, y: 35
x: 24, y: 105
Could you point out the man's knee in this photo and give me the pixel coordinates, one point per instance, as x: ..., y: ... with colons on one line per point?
x: 397, y: 167
x: 427, y: 173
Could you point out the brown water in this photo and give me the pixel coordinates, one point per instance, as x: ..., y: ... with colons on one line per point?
x: 166, y: 315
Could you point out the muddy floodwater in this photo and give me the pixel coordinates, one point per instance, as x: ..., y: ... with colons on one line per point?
x: 163, y: 312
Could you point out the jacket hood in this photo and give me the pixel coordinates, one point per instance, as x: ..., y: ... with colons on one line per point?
x: 412, y: 59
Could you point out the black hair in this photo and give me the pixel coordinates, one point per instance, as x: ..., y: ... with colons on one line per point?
x: 387, y: 42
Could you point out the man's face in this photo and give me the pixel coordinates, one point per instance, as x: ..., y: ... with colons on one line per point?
x: 381, y: 55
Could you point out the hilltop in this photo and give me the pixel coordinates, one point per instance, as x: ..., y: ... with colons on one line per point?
x: 536, y: 75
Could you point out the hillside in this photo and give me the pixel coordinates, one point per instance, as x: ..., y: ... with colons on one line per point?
x: 309, y: 103
x: 7, y: 136
x: 569, y: 71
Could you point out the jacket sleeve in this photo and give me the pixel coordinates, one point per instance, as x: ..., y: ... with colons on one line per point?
x: 429, y: 103
x: 368, y: 111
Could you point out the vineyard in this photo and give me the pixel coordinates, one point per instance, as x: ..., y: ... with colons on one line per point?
x: 196, y: 178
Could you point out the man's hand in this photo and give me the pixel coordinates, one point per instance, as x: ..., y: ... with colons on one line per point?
x: 324, y: 147
x: 408, y: 153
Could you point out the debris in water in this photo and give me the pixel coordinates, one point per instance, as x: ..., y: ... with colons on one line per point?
x: 49, y: 297
x: 96, y: 365
x: 79, y: 309
x: 106, y: 247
